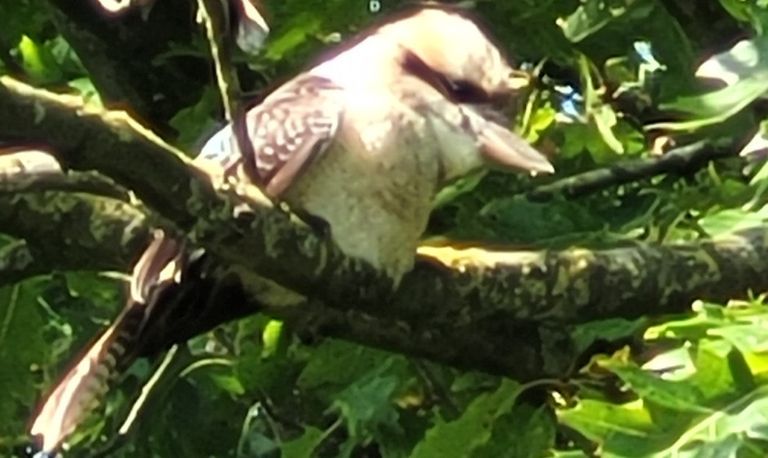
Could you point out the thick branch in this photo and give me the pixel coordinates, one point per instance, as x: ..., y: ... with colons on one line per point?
x: 525, y: 353
x: 512, y: 288
x: 577, y: 285
x: 500, y: 332
x: 67, y: 232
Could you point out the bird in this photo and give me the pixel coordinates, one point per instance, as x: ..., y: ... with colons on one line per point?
x: 365, y: 139
x: 361, y: 140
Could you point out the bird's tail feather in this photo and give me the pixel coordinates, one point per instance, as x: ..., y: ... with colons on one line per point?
x: 173, y: 294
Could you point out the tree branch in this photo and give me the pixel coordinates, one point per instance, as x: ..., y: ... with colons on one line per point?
x: 112, y: 246
x: 498, y: 288
x: 212, y: 14
x: 61, y: 231
x: 25, y: 170
x: 684, y: 159
x: 500, y: 332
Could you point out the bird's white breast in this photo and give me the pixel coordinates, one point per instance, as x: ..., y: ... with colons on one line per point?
x: 375, y: 183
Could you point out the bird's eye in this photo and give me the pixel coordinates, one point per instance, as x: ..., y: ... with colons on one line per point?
x: 463, y: 91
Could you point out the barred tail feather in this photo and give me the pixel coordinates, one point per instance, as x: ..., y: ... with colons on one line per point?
x: 82, y: 387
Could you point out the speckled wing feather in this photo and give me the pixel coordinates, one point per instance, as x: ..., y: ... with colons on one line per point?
x: 281, y: 135
x: 290, y: 128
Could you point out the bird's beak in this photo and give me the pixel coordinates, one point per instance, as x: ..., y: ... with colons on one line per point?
x: 506, y: 149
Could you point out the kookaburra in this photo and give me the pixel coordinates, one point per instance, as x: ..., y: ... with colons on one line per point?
x: 363, y: 140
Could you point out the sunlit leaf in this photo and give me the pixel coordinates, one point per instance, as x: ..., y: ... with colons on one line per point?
x: 740, y: 62
x: 627, y: 428
x: 716, y: 106
x: 730, y: 220
x: 38, y: 61
x: 746, y: 418
x: 675, y: 395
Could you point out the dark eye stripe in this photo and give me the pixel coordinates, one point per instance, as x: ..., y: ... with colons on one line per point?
x: 459, y: 91
x: 466, y: 92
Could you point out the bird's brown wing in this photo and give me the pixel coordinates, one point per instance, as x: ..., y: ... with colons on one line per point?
x: 289, y: 129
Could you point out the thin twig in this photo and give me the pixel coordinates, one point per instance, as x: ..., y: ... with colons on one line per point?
x: 683, y: 160
x: 212, y: 16
x: 20, y: 172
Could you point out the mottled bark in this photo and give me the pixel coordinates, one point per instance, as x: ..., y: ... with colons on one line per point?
x: 518, y: 334
x: 63, y: 231
x: 93, y: 233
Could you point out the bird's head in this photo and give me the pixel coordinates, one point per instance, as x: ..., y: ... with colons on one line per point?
x: 448, y: 49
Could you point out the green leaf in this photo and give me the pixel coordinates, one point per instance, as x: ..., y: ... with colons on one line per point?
x: 191, y: 121
x: 739, y: 9
x: 680, y: 396
x: 367, y: 405
x: 746, y: 419
x: 536, y: 424
x: 542, y: 119
x: 224, y: 379
x: 716, y: 106
x: 473, y: 429
x: 584, y: 335
x: 747, y: 337
x: 737, y: 63
x: 24, y: 351
x: 713, y: 375
x: 85, y: 88
x: 621, y: 429
x: 335, y: 365
x: 303, y: 446
x: 752, y: 11
x: 593, y: 15
x: 38, y: 62
x: 730, y: 220
x: 457, y: 188
x: 517, y: 219
x: 301, y: 26
x: 691, y: 328
x: 272, y: 336
x: 22, y: 17
x: 605, y: 120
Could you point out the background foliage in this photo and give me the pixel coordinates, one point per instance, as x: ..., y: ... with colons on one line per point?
x: 617, y: 82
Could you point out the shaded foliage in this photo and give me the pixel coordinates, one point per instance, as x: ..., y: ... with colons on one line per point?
x: 617, y: 82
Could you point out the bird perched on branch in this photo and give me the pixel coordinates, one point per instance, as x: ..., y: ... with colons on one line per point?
x: 363, y: 141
